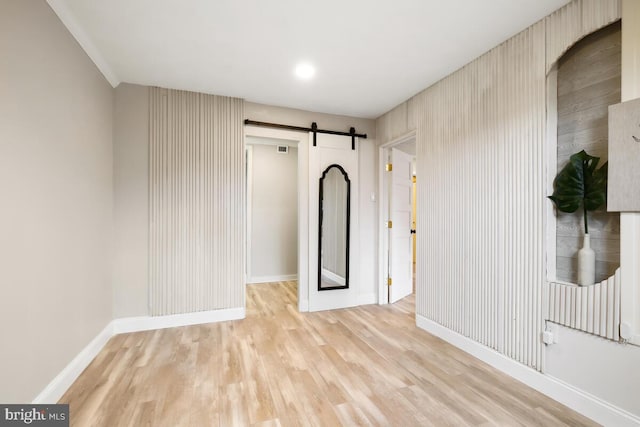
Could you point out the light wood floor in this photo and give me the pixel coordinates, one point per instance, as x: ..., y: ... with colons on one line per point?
x: 362, y: 366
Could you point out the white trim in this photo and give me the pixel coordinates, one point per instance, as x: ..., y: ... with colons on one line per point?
x: 630, y: 221
x: 249, y: 213
x: 588, y: 405
x: 383, y: 235
x: 268, y: 279
x: 303, y: 222
x: 630, y: 275
x: 400, y: 139
x: 272, y: 142
x: 383, y: 213
x: 147, y: 323
x: 66, y: 16
x: 61, y: 383
x: 366, y: 299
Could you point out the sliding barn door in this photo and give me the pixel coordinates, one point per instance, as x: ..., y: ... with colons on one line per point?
x: 333, y: 223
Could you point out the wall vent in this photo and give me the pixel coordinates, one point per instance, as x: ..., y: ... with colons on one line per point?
x: 283, y: 149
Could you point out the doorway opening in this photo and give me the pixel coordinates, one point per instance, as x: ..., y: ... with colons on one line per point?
x: 272, y: 210
x: 275, y: 213
x: 398, y: 183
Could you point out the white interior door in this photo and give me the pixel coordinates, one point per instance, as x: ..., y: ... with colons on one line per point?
x: 333, y: 271
x: 400, y: 242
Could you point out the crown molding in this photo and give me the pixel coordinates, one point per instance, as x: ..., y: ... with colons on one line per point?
x: 64, y: 14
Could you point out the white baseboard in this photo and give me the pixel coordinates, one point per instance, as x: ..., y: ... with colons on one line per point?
x: 269, y: 279
x: 61, y: 383
x: 590, y: 406
x: 365, y: 299
x: 303, y: 306
x: 147, y: 323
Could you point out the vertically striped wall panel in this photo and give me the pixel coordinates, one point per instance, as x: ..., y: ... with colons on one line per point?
x: 594, y: 309
x: 480, y: 155
x: 196, y: 210
x: 480, y: 142
x: 574, y: 21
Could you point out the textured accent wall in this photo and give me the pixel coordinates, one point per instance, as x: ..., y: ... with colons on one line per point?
x: 196, y: 202
x: 594, y: 309
x: 481, y: 151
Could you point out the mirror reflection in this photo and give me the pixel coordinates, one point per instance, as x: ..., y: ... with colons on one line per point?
x: 333, y: 251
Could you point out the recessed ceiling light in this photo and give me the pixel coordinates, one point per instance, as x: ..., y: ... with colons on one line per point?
x: 305, y: 71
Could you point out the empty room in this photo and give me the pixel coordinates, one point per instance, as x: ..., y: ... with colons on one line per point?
x: 407, y: 213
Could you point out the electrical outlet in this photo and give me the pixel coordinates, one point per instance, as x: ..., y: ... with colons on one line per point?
x: 550, y: 334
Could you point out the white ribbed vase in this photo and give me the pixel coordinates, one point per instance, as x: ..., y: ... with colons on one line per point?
x: 586, y: 263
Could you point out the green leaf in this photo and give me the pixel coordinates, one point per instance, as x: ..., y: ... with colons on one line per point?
x: 580, y: 183
x: 596, y: 189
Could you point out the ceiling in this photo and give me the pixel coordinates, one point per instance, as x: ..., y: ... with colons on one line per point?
x: 369, y: 56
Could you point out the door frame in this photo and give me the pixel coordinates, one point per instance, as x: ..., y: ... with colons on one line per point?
x: 301, y: 139
x: 383, y: 209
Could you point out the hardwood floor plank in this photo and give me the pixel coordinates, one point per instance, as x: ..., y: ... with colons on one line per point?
x: 367, y: 366
x: 351, y: 415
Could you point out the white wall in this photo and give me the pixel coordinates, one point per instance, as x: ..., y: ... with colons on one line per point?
x: 598, y: 366
x: 56, y: 209
x: 274, y: 213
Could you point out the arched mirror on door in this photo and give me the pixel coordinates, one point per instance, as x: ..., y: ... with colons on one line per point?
x: 333, y: 238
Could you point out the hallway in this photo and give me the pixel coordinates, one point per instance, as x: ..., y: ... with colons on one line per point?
x: 363, y: 366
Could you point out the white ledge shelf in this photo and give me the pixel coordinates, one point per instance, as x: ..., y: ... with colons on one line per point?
x: 593, y: 309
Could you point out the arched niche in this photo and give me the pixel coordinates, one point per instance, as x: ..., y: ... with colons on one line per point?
x: 582, y: 84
